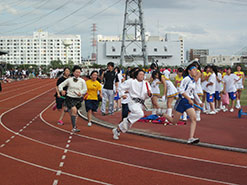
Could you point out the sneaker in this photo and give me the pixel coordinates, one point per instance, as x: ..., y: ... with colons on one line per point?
x: 75, y: 130
x: 198, y: 119
x: 54, y: 107
x: 231, y: 110
x: 225, y: 109
x: 193, y: 141
x: 238, y: 106
x: 218, y: 109
x: 212, y: 112
x: 116, y: 134
x: 89, y: 124
x: 60, y: 122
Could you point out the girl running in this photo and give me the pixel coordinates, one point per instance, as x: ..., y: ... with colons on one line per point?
x: 76, y: 89
x: 91, y: 98
x: 187, y: 96
x: 60, y: 106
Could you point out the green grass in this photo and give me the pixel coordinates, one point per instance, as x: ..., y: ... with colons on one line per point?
x: 243, y: 98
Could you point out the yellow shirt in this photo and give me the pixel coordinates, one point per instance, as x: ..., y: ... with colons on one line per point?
x: 92, y: 89
x: 178, y: 80
x: 206, y: 74
x: 224, y: 73
x: 240, y: 74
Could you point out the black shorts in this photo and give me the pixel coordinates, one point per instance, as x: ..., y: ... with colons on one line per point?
x: 91, y: 105
x: 60, y: 102
x: 73, y: 102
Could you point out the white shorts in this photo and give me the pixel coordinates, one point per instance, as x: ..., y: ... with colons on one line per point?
x: 171, y: 89
x: 239, y: 86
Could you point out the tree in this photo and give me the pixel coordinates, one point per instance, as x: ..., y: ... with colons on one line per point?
x: 56, y: 64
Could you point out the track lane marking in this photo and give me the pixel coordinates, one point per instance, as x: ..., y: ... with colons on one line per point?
x: 92, y: 156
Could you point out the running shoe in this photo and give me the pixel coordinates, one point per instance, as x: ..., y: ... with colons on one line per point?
x: 89, y: 124
x: 116, y: 134
x: 60, y: 122
x: 75, y: 130
x: 193, y: 141
x: 231, y: 110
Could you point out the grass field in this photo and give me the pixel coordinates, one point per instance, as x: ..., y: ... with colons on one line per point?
x: 243, y: 99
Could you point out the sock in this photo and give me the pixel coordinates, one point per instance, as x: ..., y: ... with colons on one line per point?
x: 198, y: 114
x: 73, y: 121
x: 169, y: 112
x: 208, y: 106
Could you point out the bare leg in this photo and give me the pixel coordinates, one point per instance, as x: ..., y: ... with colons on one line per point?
x: 192, y: 115
x: 89, y: 115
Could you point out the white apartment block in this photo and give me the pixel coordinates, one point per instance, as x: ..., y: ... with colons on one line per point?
x: 40, y: 48
x: 168, y: 50
x: 220, y: 60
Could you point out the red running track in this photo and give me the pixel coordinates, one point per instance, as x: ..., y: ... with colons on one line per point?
x: 34, y: 150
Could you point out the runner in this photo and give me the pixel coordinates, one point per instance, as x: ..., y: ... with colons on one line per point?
x: 60, y: 106
x: 76, y: 89
x: 91, y: 98
x: 187, y: 96
x: 139, y: 90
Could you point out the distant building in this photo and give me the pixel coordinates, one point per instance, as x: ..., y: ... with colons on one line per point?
x: 197, y: 53
x: 40, y: 48
x: 168, y: 50
x: 221, y: 60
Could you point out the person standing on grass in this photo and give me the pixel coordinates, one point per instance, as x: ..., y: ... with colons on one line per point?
x: 139, y: 91
x: 60, y: 106
x: 76, y: 89
x: 230, y: 80
x: 239, y: 85
x: 108, y: 93
x: 91, y: 98
x: 187, y: 96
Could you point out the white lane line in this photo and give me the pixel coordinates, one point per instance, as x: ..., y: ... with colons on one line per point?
x: 61, y: 164
x: 67, y: 146
x: 23, y: 93
x: 70, y: 137
x: 53, y: 170
x: 65, y: 151
x: 69, y: 141
x: 12, y: 137
x: 63, y: 157
x: 142, y: 149
x: 58, y: 172
x: 7, y: 141
x: 55, y: 182
x: 24, y: 127
x: 21, y: 130
x: 2, y: 145
x: 84, y: 154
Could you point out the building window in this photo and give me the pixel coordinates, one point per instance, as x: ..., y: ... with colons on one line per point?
x: 113, y: 49
x: 155, y: 49
x: 134, y: 49
x: 165, y: 48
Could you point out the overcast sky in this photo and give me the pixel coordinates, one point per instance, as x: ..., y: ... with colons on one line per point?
x: 218, y: 25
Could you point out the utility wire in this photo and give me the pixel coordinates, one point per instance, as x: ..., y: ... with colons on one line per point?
x: 100, y: 12
x: 38, y: 19
x: 7, y: 23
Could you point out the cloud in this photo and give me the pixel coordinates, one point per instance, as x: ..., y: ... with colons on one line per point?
x: 193, y: 29
x: 167, y: 4
x: 8, y: 9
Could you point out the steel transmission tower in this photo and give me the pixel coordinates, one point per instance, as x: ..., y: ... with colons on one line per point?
x: 133, y: 33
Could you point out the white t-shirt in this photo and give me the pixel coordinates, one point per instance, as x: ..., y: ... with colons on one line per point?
x: 211, y: 88
x: 155, y: 86
x: 219, y: 85
x: 230, y: 81
x: 167, y: 73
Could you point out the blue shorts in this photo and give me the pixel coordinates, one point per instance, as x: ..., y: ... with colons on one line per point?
x: 91, y: 105
x: 182, y: 104
x: 217, y: 95
x: 210, y: 97
x: 117, y: 97
x: 232, y: 95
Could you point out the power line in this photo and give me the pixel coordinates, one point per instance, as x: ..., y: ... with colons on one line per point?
x: 26, y: 14
x: 65, y: 17
x: 100, y: 12
x: 39, y: 18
